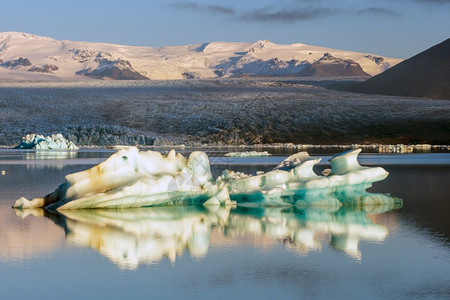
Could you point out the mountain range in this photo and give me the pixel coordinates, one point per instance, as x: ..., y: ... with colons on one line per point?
x: 25, y: 56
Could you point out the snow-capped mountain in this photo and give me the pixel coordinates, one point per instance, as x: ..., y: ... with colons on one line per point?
x: 26, y: 56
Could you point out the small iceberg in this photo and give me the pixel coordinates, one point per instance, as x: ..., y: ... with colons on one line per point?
x: 247, y: 154
x: 130, y: 179
x: 40, y: 142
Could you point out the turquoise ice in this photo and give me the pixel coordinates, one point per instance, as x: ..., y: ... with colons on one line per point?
x: 131, y: 178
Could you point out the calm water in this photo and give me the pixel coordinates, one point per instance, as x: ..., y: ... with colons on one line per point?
x: 194, y: 252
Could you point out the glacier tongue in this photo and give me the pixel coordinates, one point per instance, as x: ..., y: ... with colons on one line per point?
x: 130, y: 178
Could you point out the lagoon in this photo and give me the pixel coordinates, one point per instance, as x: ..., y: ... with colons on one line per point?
x: 187, y: 252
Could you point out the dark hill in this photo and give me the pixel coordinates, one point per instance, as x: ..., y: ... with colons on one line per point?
x: 426, y: 75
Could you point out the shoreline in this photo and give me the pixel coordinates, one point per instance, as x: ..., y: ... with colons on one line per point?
x: 367, y: 148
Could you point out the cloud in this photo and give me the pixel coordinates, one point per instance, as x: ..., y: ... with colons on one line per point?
x: 438, y: 2
x: 378, y: 11
x: 220, y: 9
x: 297, y: 11
x: 216, y: 9
x: 287, y: 15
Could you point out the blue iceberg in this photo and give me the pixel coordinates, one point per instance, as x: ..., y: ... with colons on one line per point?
x: 131, y: 178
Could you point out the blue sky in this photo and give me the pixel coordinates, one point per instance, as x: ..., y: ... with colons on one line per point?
x: 395, y: 28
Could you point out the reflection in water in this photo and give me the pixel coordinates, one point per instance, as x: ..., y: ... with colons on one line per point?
x: 130, y: 237
x: 28, y: 237
x: 55, y: 155
x: 133, y: 236
x: 50, y: 154
x: 304, y: 230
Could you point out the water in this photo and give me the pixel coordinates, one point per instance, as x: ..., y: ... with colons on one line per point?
x: 194, y: 252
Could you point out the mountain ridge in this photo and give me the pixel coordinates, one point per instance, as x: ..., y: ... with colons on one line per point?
x: 51, y: 59
x: 426, y: 74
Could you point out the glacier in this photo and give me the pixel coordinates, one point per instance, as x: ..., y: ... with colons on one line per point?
x: 131, y: 178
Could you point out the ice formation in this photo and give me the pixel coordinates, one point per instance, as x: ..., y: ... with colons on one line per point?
x: 399, y: 148
x: 40, y: 142
x: 247, y: 154
x: 130, y: 178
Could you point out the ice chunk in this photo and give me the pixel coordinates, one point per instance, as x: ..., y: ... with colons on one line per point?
x: 131, y: 178
x: 293, y: 161
x: 247, y: 154
x: 344, y: 162
x: 40, y: 142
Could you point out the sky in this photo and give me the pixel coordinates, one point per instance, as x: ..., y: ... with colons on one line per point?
x: 392, y: 28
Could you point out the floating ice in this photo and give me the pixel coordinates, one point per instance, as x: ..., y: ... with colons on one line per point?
x: 130, y: 178
x: 40, y: 142
x: 399, y: 148
x: 247, y: 154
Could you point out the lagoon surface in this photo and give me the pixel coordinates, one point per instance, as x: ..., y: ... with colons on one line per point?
x: 207, y: 253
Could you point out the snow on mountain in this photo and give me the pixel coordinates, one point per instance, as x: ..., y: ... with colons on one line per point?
x: 26, y: 56
x: 329, y: 65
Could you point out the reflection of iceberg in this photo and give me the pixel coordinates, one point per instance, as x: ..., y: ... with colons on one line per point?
x: 131, y: 178
x: 143, y: 235
x: 303, y: 229
x: 50, y: 155
x: 346, y: 227
x: 130, y: 237
x: 28, y: 237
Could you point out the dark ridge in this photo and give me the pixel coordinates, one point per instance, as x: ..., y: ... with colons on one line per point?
x: 425, y: 75
x: 18, y: 62
x: 202, y: 47
x: 44, y: 69
x: 188, y: 75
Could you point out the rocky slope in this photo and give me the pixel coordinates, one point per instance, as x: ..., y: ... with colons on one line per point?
x: 329, y: 66
x: 426, y: 74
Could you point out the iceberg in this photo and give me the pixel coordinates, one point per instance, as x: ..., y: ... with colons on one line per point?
x: 247, y: 154
x: 40, y: 142
x: 131, y: 178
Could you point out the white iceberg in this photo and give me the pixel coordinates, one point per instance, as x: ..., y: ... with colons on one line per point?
x: 247, y: 154
x: 40, y: 142
x: 131, y: 178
